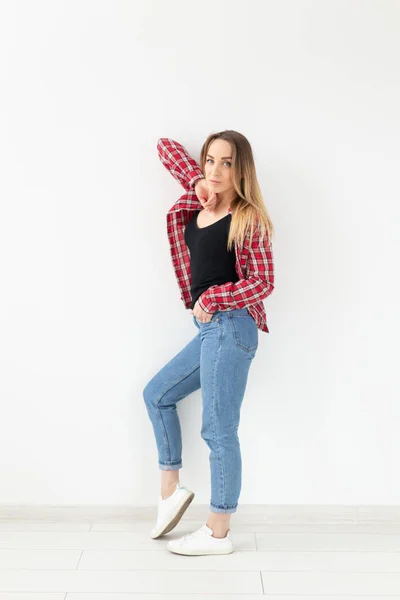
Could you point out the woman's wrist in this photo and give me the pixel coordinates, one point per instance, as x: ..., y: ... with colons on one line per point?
x: 197, y: 181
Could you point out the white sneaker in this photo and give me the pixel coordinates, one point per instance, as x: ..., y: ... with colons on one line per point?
x: 201, y: 542
x: 171, y: 509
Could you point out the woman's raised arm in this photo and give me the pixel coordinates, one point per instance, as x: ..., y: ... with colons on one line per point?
x: 179, y: 163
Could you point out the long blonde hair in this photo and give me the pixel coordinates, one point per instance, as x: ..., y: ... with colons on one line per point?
x: 248, y: 208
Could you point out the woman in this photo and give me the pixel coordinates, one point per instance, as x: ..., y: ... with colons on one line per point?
x: 220, y: 242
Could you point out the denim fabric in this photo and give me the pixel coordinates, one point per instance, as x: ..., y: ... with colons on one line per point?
x: 217, y: 360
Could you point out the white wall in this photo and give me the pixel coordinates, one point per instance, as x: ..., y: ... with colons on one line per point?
x: 89, y: 305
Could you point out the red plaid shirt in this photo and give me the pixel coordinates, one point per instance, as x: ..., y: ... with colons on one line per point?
x: 254, y: 265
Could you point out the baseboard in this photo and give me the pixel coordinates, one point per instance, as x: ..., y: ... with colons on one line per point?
x: 285, y: 514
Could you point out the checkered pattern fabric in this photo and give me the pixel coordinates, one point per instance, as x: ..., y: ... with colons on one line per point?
x: 254, y: 260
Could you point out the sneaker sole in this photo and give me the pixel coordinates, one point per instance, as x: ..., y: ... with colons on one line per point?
x: 177, y: 517
x: 199, y: 552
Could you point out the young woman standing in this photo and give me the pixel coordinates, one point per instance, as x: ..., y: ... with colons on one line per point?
x: 220, y: 236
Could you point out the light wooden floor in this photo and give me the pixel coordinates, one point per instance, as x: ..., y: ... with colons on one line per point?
x: 285, y: 553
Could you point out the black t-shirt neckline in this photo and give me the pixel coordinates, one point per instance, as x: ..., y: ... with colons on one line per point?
x: 211, y: 224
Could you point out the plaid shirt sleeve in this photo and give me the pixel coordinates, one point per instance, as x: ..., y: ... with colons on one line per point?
x: 258, y: 284
x: 179, y: 163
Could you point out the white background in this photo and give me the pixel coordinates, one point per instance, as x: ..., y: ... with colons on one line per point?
x: 89, y: 306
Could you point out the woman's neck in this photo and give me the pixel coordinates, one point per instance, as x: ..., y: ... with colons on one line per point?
x: 225, y: 200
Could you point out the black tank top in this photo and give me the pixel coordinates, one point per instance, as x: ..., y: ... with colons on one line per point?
x: 210, y: 261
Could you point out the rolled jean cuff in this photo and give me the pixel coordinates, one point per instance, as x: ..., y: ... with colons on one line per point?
x: 170, y: 466
x: 216, y: 509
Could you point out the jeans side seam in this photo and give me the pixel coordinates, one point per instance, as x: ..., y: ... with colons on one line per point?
x: 214, y: 417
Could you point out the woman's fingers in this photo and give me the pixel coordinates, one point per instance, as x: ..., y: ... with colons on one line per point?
x: 208, y: 198
x: 211, y: 200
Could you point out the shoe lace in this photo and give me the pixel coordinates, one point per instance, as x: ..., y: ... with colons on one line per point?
x: 191, y: 536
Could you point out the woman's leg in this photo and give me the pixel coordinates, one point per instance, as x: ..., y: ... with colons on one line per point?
x: 176, y: 380
x: 229, y: 344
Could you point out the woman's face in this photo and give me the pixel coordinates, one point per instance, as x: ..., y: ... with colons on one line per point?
x: 218, y: 166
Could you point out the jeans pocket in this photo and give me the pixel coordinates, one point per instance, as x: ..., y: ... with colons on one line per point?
x: 245, y: 333
x: 198, y: 323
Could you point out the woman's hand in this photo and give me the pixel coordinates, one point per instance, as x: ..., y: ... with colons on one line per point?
x: 207, y: 197
x: 201, y: 315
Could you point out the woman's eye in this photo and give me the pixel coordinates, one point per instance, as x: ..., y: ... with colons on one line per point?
x: 226, y: 162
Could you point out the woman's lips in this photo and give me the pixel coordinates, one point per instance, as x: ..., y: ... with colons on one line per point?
x: 214, y: 181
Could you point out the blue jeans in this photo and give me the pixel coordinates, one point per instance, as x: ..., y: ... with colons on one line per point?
x: 217, y: 360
